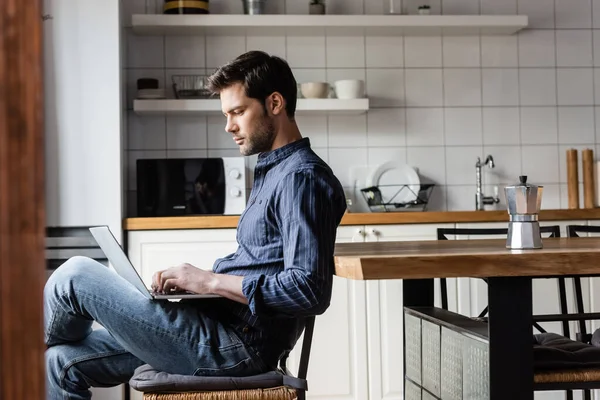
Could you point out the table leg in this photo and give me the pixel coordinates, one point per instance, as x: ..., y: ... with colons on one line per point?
x: 417, y: 292
x: 510, y: 338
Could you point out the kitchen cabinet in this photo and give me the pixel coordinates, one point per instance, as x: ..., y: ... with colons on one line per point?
x: 385, y: 317
x: 151, y: 251
x: 338, y: 364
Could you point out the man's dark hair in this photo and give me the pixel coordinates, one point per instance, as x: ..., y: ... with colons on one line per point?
x: 261, y: 74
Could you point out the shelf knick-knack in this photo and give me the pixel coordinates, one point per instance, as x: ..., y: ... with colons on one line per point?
x: 186, y: 7
x: 316, y: 7
x: 424, y: 10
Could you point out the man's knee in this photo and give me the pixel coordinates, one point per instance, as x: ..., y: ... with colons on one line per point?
x: 78, y: 264
x: 74, y: 268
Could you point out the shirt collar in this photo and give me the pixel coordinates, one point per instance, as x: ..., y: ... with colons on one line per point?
x: 273, y: 157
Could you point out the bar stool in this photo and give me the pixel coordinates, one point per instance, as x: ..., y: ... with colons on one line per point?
x: 280, y: 384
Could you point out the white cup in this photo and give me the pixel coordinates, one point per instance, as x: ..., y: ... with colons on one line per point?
x: 350, y: 89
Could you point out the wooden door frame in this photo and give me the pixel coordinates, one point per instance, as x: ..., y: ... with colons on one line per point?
x: 22, y: 213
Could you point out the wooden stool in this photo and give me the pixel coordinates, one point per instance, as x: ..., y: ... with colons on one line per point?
x: 280, y: 393
x: 565, y: 364
x: 272, y: 385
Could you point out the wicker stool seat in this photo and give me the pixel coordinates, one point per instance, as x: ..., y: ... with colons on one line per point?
x: 158, y: 385
x: 256, y: 394
x: 558, y: 359
x: 272, y: 385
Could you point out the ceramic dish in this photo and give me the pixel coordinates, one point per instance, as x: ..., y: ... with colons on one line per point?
x: 390, y: 177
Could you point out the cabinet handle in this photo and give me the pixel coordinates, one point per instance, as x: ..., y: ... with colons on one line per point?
x: 46, y: 17
x: 360, y: 232
x: 375, y: 232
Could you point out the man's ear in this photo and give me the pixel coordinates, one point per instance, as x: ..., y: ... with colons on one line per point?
x: 275, y: 104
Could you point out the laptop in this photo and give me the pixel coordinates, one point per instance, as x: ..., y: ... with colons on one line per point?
x: 118, y: 259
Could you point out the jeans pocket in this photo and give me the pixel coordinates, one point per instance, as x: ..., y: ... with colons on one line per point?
x: 245, y: 367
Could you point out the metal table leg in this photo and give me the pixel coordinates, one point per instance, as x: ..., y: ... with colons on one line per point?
x: 510, y: 338
x: 417, y: 292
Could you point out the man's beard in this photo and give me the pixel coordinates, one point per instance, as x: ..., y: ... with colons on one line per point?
x: 262, y: 138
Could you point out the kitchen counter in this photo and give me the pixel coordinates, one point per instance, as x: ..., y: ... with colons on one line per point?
x: 427, y: 217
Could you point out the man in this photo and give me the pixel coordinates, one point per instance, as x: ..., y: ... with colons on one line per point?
x: 281, y: 272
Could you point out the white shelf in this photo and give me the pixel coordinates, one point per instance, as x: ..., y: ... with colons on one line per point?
x: 213, y: 106
x: 284, y: 24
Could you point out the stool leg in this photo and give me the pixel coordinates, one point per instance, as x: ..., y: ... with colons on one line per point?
x: 579, y: 304
x: 569, y: 395
x: 444, y: 292
x: 562, y: 290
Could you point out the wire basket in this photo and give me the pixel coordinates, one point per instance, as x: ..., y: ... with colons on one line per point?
x: 191, y: 86
x: 376, y: 203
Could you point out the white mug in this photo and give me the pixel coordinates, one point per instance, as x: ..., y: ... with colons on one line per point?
x: 350, y: 89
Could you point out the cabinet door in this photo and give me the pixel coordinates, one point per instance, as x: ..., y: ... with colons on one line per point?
x: 385, y: 316
x: 151, y: 251
x: 338, y: 357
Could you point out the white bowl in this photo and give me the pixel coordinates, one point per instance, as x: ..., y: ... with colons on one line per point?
x: 314, y: 90
x: 350, y: 89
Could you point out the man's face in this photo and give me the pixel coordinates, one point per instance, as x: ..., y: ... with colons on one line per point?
x: 251, y: 127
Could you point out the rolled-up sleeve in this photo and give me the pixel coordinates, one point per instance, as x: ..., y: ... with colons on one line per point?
x: 307, y: 212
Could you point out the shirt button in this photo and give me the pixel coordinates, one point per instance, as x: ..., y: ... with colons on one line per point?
x: 246, y: 329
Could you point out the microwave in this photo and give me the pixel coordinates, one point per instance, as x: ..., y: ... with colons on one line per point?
x: 191, y: 186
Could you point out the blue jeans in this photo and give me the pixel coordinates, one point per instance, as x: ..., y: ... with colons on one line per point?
x: 174, y: 337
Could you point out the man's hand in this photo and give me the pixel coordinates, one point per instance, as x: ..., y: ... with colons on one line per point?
x: 188, y: 278
x: 184, y: 277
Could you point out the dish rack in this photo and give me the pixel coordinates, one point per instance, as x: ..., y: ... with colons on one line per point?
x: 191, y: 86
x: 375, y: 201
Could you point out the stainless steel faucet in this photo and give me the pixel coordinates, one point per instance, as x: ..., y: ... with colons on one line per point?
x: 480, y: 198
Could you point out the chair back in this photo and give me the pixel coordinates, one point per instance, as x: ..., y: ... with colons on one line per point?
x: 575, y: 230
x: 552, y: 230
x: 300, y: 379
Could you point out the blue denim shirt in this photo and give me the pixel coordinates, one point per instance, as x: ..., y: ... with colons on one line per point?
x: 286, y: 238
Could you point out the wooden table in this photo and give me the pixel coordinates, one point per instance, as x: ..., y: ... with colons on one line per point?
x: 509, y: 274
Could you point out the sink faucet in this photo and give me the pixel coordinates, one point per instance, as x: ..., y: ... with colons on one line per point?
x: 480, y: 198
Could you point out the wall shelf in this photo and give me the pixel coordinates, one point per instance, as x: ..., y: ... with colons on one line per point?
x: 341, y: 25
x: 213, y: 107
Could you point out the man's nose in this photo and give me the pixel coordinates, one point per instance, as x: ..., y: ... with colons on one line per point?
x: 230, y: 126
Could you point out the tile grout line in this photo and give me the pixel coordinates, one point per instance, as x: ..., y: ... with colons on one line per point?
x: 484, y: 178
x: 446, y: 197
x: 519, y: 112
x: 164, y: 118
x: 558, y: 144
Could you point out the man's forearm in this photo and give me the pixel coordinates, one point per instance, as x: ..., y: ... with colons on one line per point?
x: 229, y: 286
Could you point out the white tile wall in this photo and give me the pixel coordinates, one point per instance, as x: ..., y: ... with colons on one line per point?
x: 437, y: 103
